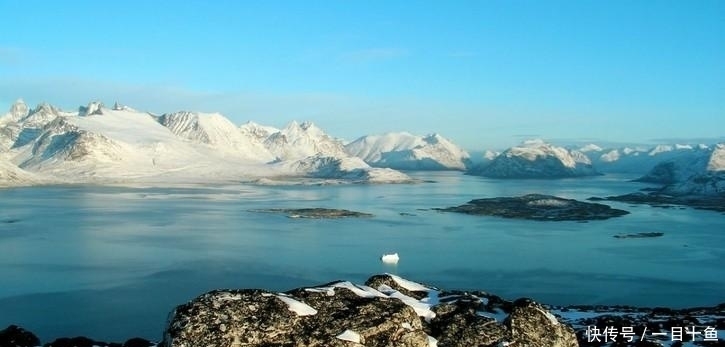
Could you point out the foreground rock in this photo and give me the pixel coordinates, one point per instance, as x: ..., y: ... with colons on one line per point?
x: 393, y: 312
x: 315, y: 212
x: 538, y: 207
x: 387, y: 311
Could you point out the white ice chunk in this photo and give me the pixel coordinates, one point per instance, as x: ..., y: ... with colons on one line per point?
x: 349, y: 335
x: 390, y: 258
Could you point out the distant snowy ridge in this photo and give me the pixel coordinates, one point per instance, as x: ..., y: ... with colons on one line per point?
x: 640, y: 159
x: 404, y: 151
x: 107, y: 145
x: 590, y: 148
x: 536, y: 159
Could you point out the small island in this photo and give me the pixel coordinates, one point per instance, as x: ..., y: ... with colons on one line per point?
x: 537, y: 207
x: 641, y: 235
x: 659, y: 199
x: 315, y: 212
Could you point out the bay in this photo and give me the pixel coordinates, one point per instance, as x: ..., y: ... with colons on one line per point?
x: 111, y: 262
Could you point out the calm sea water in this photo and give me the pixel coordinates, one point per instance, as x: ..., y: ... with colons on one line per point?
x: 112, y: 262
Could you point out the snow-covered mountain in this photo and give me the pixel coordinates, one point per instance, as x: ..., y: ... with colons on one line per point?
x: 345, y: 168
x: 404, y: 151
x: 536, y: 159
x: 22, y: 125
x: 216, y: 130
x: 120, y: 144
x: 297, y: 141
x: 700, y: 173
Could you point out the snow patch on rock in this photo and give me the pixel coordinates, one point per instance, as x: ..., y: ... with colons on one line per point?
x: 349, y: 335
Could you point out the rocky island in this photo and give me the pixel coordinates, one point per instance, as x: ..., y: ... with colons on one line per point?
x: 537, y: 207
x: 315, y: 212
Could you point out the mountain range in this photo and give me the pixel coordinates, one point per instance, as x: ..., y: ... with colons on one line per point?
x: 99, y: 144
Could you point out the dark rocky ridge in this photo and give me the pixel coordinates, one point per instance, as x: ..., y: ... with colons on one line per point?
x: 537, y: 207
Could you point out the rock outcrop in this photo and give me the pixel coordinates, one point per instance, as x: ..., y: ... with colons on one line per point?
x: 387, y: 311
x: 393, y: 312
x: 15, y: 336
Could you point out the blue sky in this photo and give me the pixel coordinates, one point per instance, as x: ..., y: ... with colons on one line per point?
x: 483, y: 73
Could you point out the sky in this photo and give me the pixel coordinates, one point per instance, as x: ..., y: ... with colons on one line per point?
x: 486, y: 74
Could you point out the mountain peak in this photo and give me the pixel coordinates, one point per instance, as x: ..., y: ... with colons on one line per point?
x: 19, y: 103
x: 19, y: 109
x: 46, y: 108
x: 534, y: 143
x: 306, y: 125
x: 93, y: 108
x: 433, y: 138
